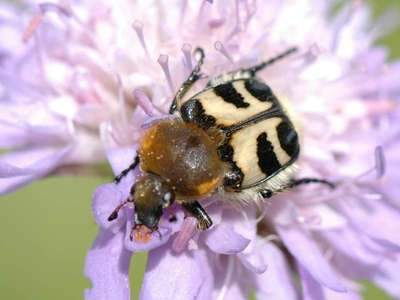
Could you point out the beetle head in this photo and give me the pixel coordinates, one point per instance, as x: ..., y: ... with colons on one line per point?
x: 151, y: 195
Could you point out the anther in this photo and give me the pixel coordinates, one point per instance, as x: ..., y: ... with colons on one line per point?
x: 163, y: 61
x: 33, y: 25
x: 380, y: 162
x: 138, y: 27
x: 220, y: 48
x: 145, y: 103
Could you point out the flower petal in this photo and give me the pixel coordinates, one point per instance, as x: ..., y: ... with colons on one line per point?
x: 253, y: 258
x: 276, y: 282
x: 312, y: 290
x: 182, y: 276
x: 105, y: 199
x: 372, y: 212
x: 233, y: 233
x: 38, y: 163
x: 107, y: 266
x: 306, y: 251
x: 225, y: 240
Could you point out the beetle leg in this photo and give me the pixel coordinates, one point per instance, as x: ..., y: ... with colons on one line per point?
x: 266, y: 193
x: 188, y: 83
x: 254, y: 69
x: 125, y: 172
x: 296, y: 182
x: 196, y: 210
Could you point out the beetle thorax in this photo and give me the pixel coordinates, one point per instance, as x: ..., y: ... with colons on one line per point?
x: 185, y: 156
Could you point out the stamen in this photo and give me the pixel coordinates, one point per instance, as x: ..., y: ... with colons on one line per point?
x: 33, y: 25
x: 145, y: 103
x: 236, y: 27
x: 121, y: 98
x: 250, y: 10
x: 379, y: 167
x: 187, y: 50
x: 138, y: 27
x: 188, y: 230
x: 220, y: 48
x: 47, y: 6
x: 380, y: 162
x: 163, y: 61
x: 183, y: 10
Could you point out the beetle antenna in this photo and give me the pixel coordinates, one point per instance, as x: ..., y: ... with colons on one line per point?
x: 114, y: 214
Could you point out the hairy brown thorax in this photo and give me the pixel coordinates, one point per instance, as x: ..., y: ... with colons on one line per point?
x: 185, y: 156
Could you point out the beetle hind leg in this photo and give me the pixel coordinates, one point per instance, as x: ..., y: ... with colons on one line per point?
x: 267, y: 193
x: 307, y: 180
x: 254, y: 69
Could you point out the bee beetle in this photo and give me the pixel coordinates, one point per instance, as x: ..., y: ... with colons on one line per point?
x: 233, y: 137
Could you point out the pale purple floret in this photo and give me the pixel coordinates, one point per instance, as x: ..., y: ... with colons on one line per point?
x: 66, y: 108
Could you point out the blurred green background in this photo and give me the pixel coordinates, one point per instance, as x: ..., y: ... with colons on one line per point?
x: 47, y: 228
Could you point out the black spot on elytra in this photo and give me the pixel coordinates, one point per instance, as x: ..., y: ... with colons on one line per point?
x: 267, y: 159
x: 288, y: 139
x: 259, y: 90
x: 229, y: 94
x: 192, y: 111
x: 234, y: 177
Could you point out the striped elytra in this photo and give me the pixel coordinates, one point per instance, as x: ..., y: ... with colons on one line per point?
x: 260, y: 139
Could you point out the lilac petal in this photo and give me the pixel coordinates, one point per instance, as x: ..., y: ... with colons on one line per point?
x: 233, y: 234
x: 8, y: 170
x: 158, y: 238
x: 107, y: 266
x: 223, y: 239
x: 361, y: 246
x: 350, y: 295
x: 174, y: 276
x: 105, y: 199
x: 302, y: 246
x: 252, y: 258
x: 312, y: 290
x: 388, y: 276
x: 376, y: 212
x: 276, y: 282
x: 39, y: 162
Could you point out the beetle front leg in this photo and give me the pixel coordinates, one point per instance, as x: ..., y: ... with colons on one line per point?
x: 188, y: 83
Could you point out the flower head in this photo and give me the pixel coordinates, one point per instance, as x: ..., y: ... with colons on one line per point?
x: 121, y: 66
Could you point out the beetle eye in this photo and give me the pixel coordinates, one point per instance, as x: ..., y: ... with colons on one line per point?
x: 167, y: 199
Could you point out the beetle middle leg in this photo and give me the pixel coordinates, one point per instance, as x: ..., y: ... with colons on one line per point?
x: 188, y: 83
x: 197, y: 211
x: 125, y: 172
x: 249, y: 72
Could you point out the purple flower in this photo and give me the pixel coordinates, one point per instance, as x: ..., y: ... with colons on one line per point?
x: 116, y: 73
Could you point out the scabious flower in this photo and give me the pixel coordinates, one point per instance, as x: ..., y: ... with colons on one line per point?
x: 116, y: 72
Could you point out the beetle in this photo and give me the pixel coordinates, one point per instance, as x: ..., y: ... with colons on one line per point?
x: 233, y: 137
